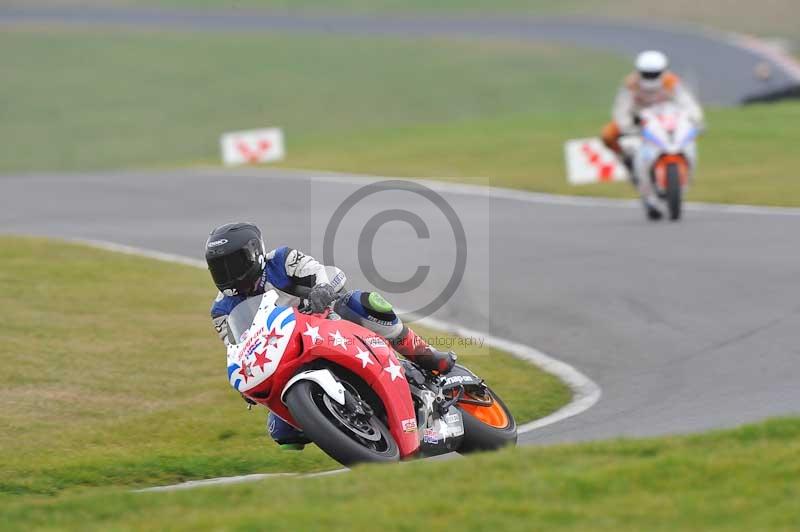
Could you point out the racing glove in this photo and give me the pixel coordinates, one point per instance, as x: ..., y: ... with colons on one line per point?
x: 221, y: 326
x: 320, y: 297
x: 435, y: 360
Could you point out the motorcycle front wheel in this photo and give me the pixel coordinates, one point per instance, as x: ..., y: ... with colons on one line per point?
x: 674, y: 191
x: 347, y: 438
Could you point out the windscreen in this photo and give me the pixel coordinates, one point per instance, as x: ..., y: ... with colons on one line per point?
x: 242, y: 317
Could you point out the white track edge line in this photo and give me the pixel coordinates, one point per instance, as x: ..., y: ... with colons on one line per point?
x: 585, y: 392
x: 766, y: 51
x: 215, y: 482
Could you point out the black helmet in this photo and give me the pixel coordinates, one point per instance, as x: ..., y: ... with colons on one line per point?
x: 235, y: 257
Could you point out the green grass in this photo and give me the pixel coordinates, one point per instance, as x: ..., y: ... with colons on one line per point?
x: 113, y: 376
x: 449, y: 109
x: 89, y: 100
x: 740, y: 480
x: 746, y: 155
x: 774, y: 17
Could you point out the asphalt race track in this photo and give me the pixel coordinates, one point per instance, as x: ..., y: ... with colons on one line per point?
x: 718, y: 66
x: 685, y: 326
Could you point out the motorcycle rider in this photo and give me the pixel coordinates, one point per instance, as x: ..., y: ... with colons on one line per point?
x: 241, y: 268
x: 650, y: 84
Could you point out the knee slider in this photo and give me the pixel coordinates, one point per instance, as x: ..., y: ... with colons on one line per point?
x: 372, y: 311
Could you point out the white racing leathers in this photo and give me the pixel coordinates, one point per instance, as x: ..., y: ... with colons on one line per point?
x: 632, y: 99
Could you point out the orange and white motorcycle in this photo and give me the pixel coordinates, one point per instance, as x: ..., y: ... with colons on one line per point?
x: 664, y: 154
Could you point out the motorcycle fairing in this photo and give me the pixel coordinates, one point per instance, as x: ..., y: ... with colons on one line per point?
x: 355, y: 349
x: 659, y: 173
x: 256, y: 358
x: 442, y: 434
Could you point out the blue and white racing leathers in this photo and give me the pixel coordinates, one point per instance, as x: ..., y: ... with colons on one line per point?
x: 285, y: 269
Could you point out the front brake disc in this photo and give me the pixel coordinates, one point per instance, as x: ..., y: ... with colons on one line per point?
x: 369, y: 424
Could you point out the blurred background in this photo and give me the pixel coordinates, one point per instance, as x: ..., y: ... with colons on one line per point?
x: 453, y: 89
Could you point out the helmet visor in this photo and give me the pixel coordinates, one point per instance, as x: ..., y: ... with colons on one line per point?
x: 651, y: 75
x: 650, y: 83
x: 229, y: 269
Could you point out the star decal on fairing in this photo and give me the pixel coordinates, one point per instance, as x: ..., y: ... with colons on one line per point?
x: 393, y: 369
x: 273, y: 337
x: 245, y: 371
x: 261, y: 359
x: 338, y: 339
x: 363, y: 356
x: 313, y: 333
x: 256, y: 358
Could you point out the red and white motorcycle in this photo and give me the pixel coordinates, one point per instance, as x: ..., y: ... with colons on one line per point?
x: 664, y: 154
x: 345, y: 387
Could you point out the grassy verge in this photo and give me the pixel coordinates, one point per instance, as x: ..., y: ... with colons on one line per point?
x: 738, y: 480
x: 112, y: 376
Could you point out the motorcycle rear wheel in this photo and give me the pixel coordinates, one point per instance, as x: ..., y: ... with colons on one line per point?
x: 487, y: 428
x: 307, y: 404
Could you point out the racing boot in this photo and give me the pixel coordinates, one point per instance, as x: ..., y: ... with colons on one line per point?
x: 417, y: 350
x: 627, y: 162
x: 651, y: 208
x: 372, y: 311
x: 285, y: 435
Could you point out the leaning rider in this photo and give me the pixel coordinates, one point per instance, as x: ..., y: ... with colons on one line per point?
x: 241, y: 268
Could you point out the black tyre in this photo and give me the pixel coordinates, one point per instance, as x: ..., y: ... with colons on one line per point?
x: 348, y: 443
x: 488, y: 429
x: 674, y: 191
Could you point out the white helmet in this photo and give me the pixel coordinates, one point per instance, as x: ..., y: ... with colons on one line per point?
x: 651, y: 65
